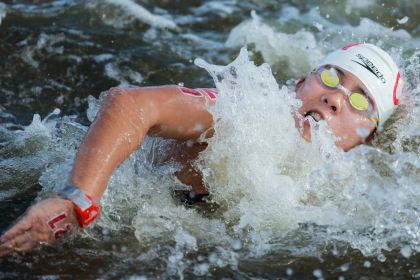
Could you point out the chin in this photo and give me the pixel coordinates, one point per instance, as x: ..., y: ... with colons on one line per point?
x: 347, y: 146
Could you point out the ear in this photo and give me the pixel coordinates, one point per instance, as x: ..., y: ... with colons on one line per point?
x: 300, y: 83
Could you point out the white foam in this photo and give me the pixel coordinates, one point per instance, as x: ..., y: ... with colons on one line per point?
x: 273, y: 184
x: 45, y: 42
x: 224, y: 8
x: 252, y: 163
x: 47, y: 8
x: 299, y: 49
x: 358, y: 5
x: 3, y: 11
x: 140, y: 13
x: 276, y: 192
x: 403, y: 20
x: 103, y: 57
x: 406, y: 252
x: 113, y: 71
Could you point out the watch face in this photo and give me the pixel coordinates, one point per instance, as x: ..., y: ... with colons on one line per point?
x: 77, y: 197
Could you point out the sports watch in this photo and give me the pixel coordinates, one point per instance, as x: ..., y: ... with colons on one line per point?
x: 86, y: 208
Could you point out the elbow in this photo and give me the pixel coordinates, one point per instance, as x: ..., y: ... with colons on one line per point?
x: 119, y: 101
x: 132, y: 105
x: 113, y: 96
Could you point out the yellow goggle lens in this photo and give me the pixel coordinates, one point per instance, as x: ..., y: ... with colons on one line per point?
x: 329, y: 78
x: 359, y: 101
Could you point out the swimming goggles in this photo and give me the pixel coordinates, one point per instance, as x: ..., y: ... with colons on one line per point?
x: 329, y: 78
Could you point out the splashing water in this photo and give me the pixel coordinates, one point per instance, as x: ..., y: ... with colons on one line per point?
x: 2, y: 11
x: 275, y: 192
x: 347, y: 194
x: 274, y: 198
x: 143, y: 15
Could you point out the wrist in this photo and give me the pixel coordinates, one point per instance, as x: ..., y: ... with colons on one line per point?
x: 87, y: 209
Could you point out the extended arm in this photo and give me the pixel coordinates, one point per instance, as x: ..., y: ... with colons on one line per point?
x: 125, y: 118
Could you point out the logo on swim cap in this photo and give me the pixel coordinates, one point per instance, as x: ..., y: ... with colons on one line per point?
x: 370, y: 67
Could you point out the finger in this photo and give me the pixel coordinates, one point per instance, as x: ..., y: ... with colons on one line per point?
x: 20, y: 227
x: 5, y: 250
x: 10, y: 245
x: 17, y: 241
x: 26, y: 245
x: 20, y: 243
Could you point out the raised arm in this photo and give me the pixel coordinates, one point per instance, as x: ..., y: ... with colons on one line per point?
x: 125, y: 118
x: 123, y: 121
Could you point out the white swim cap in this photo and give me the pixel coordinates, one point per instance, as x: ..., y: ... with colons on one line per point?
x: 377, y: 71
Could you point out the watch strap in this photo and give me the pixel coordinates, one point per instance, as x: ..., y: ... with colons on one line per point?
x: 86, y: 207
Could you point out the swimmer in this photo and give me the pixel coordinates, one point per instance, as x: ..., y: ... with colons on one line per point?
x: 354, y: 90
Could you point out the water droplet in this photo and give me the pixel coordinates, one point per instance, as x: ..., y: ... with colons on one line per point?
x: 213, y: 258
x: 345, y: 267
x: 363, y: 132
x: 289, y: 271
x: 190, y: 143
x: 236, y: 244
x: 367, y: 264
x: 406, y: 251
x: 199, y: 127
x: 318, y: 25
x: 381, y: 258
x: 201, y: 269
x: 317, y: 273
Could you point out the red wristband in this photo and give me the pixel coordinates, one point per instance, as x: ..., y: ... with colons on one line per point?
x: 86, y: 208
x: 87, y: 216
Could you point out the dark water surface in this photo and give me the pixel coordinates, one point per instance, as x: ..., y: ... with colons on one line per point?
x: 54, y: 54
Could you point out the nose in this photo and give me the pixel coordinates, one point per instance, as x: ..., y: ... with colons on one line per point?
x: 334, y: 101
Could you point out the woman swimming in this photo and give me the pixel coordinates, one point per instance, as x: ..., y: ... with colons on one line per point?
x: 354, y: 90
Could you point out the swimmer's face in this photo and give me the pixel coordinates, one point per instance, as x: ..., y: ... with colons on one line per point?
x: 332, y: 106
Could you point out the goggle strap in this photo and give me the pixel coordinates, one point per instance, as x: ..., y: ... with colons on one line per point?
x: 375, y: 121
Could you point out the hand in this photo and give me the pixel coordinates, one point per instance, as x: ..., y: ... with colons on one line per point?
x: 43, y: 223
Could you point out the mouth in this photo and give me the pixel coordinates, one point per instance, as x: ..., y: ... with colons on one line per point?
x: 316, y: 116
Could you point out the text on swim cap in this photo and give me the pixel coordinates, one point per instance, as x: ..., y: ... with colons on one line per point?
x: 370, y: 67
